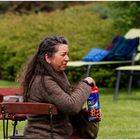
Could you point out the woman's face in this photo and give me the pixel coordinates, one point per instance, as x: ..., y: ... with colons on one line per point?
x: 60, y: 58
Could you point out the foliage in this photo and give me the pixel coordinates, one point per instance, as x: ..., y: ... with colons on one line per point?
x: 82, y: 25
x: 26, y: 7
x: 126, y: 14
x: 103, y: 11
x: 4, y: 6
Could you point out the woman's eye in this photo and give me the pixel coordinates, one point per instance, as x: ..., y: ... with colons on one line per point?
x: 63, y: 54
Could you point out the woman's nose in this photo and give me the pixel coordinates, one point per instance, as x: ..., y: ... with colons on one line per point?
x: 67, y: 58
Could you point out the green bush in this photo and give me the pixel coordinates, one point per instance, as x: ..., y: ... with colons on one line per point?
x: 84, y: 28
x: 105, y: 76
x: 4, y: 6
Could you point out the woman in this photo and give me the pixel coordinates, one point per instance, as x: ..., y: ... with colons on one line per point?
x: 44, y: 81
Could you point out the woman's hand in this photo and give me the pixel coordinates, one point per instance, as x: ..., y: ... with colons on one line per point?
x: 90, y: 81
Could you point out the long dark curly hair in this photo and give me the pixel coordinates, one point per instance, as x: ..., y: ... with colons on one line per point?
x: 38, y: 66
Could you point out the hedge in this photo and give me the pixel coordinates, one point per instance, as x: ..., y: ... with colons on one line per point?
x: 82, y: 25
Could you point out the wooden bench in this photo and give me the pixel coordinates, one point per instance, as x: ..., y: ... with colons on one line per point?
x: 9, y: 91
x: 11, y: 109
x: 17, y: 111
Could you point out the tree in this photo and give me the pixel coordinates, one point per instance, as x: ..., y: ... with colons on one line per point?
x: 36, y: 6
x: 126, y: 14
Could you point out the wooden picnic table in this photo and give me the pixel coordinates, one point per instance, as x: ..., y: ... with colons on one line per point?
x: 9, y: 91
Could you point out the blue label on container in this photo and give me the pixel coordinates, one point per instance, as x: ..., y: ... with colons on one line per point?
x: 93, y: 106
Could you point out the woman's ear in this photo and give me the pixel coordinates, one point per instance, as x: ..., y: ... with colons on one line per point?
x: 47, y: 59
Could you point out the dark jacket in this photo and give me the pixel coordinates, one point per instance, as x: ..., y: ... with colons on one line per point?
x: 68, y: 103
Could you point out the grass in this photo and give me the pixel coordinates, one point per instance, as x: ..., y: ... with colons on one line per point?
x: 6, y: 84
x: 20, y: 128
x: 120, y: 118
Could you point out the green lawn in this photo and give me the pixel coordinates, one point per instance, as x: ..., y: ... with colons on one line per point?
x: 4, y: 83
x: 120, y: 119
